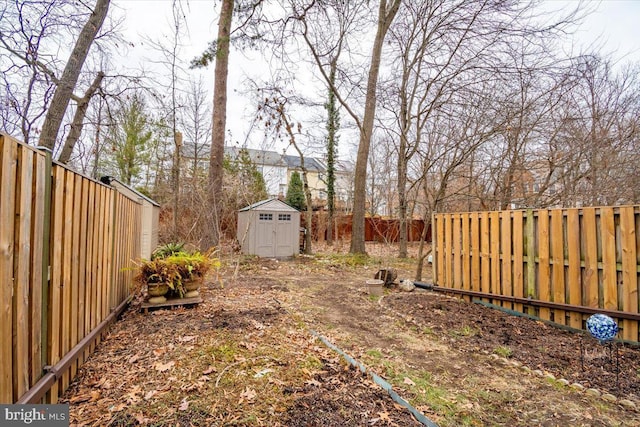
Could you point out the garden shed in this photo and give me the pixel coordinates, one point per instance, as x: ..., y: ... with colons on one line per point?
x: 149, y: 218
x: 269, y: 228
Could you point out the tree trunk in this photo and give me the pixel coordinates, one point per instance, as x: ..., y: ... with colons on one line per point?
x: 67, y: 83
x: 385, y: 17
x: 219, y: 122
x: 78, y: 119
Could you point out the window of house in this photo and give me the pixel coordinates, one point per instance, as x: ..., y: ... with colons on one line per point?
x: 266, y: 217
x: 284, y: 217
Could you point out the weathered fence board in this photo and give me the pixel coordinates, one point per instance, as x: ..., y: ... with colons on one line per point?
x: 60, y: 233
x: 579, y: 258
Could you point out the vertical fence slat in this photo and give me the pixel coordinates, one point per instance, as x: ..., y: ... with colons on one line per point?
x: 57, y: 224
x: 475, y: 252
x: 22, y: 260
x: 75, y: 272
x: 485, y: 265
x: 466, y: 260
x: 518, y: 259
x: 494, y: 245
x: 82, y: 263
x: 557, y: 265
x: 629, y: 270
x: 530, y: 291
x: 65, y: 311
x: 590, y: 274
x: 440, y: 250
x: 573, y: 274
x: 8, y: 168
x: 506, y: 249
x: 447, y: 249
x: 457, y: 255
x: 544, y: 276
x: 609, y: 274
x: 37, y: 254
x: 89, y: 274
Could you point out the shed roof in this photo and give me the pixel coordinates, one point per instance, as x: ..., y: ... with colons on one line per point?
x: 270, y: 205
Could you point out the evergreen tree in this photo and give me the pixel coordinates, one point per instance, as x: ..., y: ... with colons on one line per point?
x: 129, y: 139
x: 295, y: 192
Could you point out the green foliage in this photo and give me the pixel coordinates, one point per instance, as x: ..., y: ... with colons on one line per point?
x: 128, y: 140
x: 245, y: 181
x: 167, y: 250
x: 295, y: 192
x: 503, y: 351
x: 173, y: 266
x: 333, y: 124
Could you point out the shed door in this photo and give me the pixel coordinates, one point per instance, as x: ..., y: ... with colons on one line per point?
x: 285, y: 240
x: 265, y: 235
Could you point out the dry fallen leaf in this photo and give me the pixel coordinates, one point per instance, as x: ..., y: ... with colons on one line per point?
x: 150, y: 394
x: 141, y: 419
x: 95, y: 395
x: 247, y: 395
x: 187, y: 338
x: 209, y: 370
x: 408, y: 381
x: 134, y: 358
x: 384, y: 416
x: 163, y: 367
x: 184, y: 405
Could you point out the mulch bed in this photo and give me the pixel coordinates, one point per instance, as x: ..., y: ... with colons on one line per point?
x: 472, y: 327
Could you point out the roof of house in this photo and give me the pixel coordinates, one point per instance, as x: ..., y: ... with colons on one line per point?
x: 273, y: 204
x: 310, y: 163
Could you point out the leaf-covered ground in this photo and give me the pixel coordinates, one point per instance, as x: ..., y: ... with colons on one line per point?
x: 245, y: 356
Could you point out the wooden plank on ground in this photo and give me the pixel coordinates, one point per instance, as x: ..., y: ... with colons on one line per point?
x: 628, y: 237
x: 494, y: 257
x: 22, y: 263
x: 573, y: 273
x: 544, y: 276
x: 485, y: 264
x: 609, y: 273
x: 590, y: 249
x: 37, y: 253
x: 8, y: 167
x: 475, y: 252
x: 557, y: 264
x: 518, y: 258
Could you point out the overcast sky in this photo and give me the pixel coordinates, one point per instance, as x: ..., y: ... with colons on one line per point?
x: 613, y: 26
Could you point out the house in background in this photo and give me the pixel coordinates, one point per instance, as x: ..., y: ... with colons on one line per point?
x: 276, y: 169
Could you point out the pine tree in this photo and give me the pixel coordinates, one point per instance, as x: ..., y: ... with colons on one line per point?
x: 295, y: 192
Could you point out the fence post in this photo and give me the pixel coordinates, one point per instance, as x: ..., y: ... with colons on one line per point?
x: 46, y: 265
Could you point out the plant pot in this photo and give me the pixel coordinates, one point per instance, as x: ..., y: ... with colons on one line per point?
x: 375, y: 287
x: 157, y: 292
x: 192, y: 287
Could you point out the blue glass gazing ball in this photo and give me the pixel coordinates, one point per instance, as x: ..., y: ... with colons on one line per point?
x: 602, y: 327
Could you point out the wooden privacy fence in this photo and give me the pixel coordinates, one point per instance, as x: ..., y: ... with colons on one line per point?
x: 561, y: 265
x: 65, y: 243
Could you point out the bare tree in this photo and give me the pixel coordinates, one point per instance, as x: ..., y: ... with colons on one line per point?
x: 69, y: 77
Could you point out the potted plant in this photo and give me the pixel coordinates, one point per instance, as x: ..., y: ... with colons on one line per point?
x: 173, y: 271
x: 159, y: 277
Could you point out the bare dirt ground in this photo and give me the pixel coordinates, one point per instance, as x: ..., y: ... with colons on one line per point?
x: 246, y: 356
